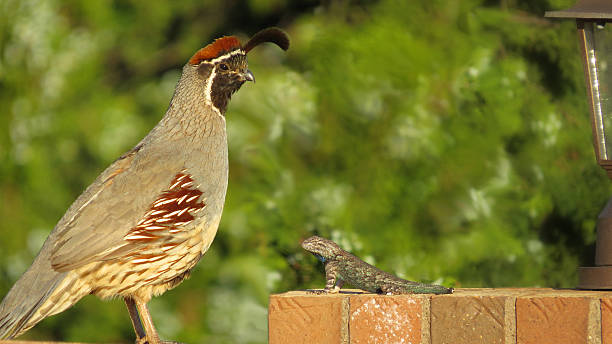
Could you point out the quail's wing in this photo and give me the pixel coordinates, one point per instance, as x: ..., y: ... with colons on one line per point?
x: 95, y: 225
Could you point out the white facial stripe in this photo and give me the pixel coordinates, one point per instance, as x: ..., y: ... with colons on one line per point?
x: 212, y: 75
x: 208, y: 90
x: 209, y: 83
x: 230, y: 54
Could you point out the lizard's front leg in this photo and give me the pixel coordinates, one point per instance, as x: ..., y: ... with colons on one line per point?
x: 338, y: 286
x: 333, y: 282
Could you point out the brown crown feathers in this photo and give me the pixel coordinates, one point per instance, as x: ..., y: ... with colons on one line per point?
x: 227, y: 44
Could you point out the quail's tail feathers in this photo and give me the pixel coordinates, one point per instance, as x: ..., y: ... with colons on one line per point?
x: 39, y: 293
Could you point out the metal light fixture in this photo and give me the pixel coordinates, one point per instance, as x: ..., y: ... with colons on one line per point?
x: 594, y: 22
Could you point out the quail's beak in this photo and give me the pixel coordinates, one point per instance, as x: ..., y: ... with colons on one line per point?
x: 248, y: 76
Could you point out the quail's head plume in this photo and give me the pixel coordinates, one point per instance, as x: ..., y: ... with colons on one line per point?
x: 144, y: 223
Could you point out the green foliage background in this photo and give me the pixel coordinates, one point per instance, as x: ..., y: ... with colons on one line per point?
x: 443, y: 140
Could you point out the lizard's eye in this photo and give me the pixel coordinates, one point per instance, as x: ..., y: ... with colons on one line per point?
x: 223, y: 66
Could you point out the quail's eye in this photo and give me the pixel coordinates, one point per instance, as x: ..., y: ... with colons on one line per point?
x: 223, y: 66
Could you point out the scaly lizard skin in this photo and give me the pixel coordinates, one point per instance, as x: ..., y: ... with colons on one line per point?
x: 341, y: 266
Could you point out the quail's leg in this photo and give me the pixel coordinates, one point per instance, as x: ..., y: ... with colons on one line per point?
x: 143, y: 323
x: 140, y: 332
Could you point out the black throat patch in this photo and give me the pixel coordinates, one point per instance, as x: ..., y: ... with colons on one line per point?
x: 227, y: 77
x: 224, y: 85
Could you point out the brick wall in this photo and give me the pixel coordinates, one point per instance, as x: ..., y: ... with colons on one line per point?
x: 469, y: 316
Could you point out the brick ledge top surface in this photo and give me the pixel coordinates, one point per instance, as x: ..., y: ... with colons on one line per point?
x: 469, y: 292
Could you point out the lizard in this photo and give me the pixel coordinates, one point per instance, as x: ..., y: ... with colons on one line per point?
x: 341, y: 266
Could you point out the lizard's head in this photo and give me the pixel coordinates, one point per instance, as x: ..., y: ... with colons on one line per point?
x: 321, y: 248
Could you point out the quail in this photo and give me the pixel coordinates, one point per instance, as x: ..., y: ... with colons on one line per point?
x: 147, y: 219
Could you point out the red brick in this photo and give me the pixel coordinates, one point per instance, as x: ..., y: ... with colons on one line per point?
x: 606, y: 321
x: 299, y: 318
x: 474, y: 315
x: 467, y: 320
x: 381, y: 319
x: 554, y: 320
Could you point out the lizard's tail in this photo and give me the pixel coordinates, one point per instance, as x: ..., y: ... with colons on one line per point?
x: 421, y: 288
x: 440, y: 289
